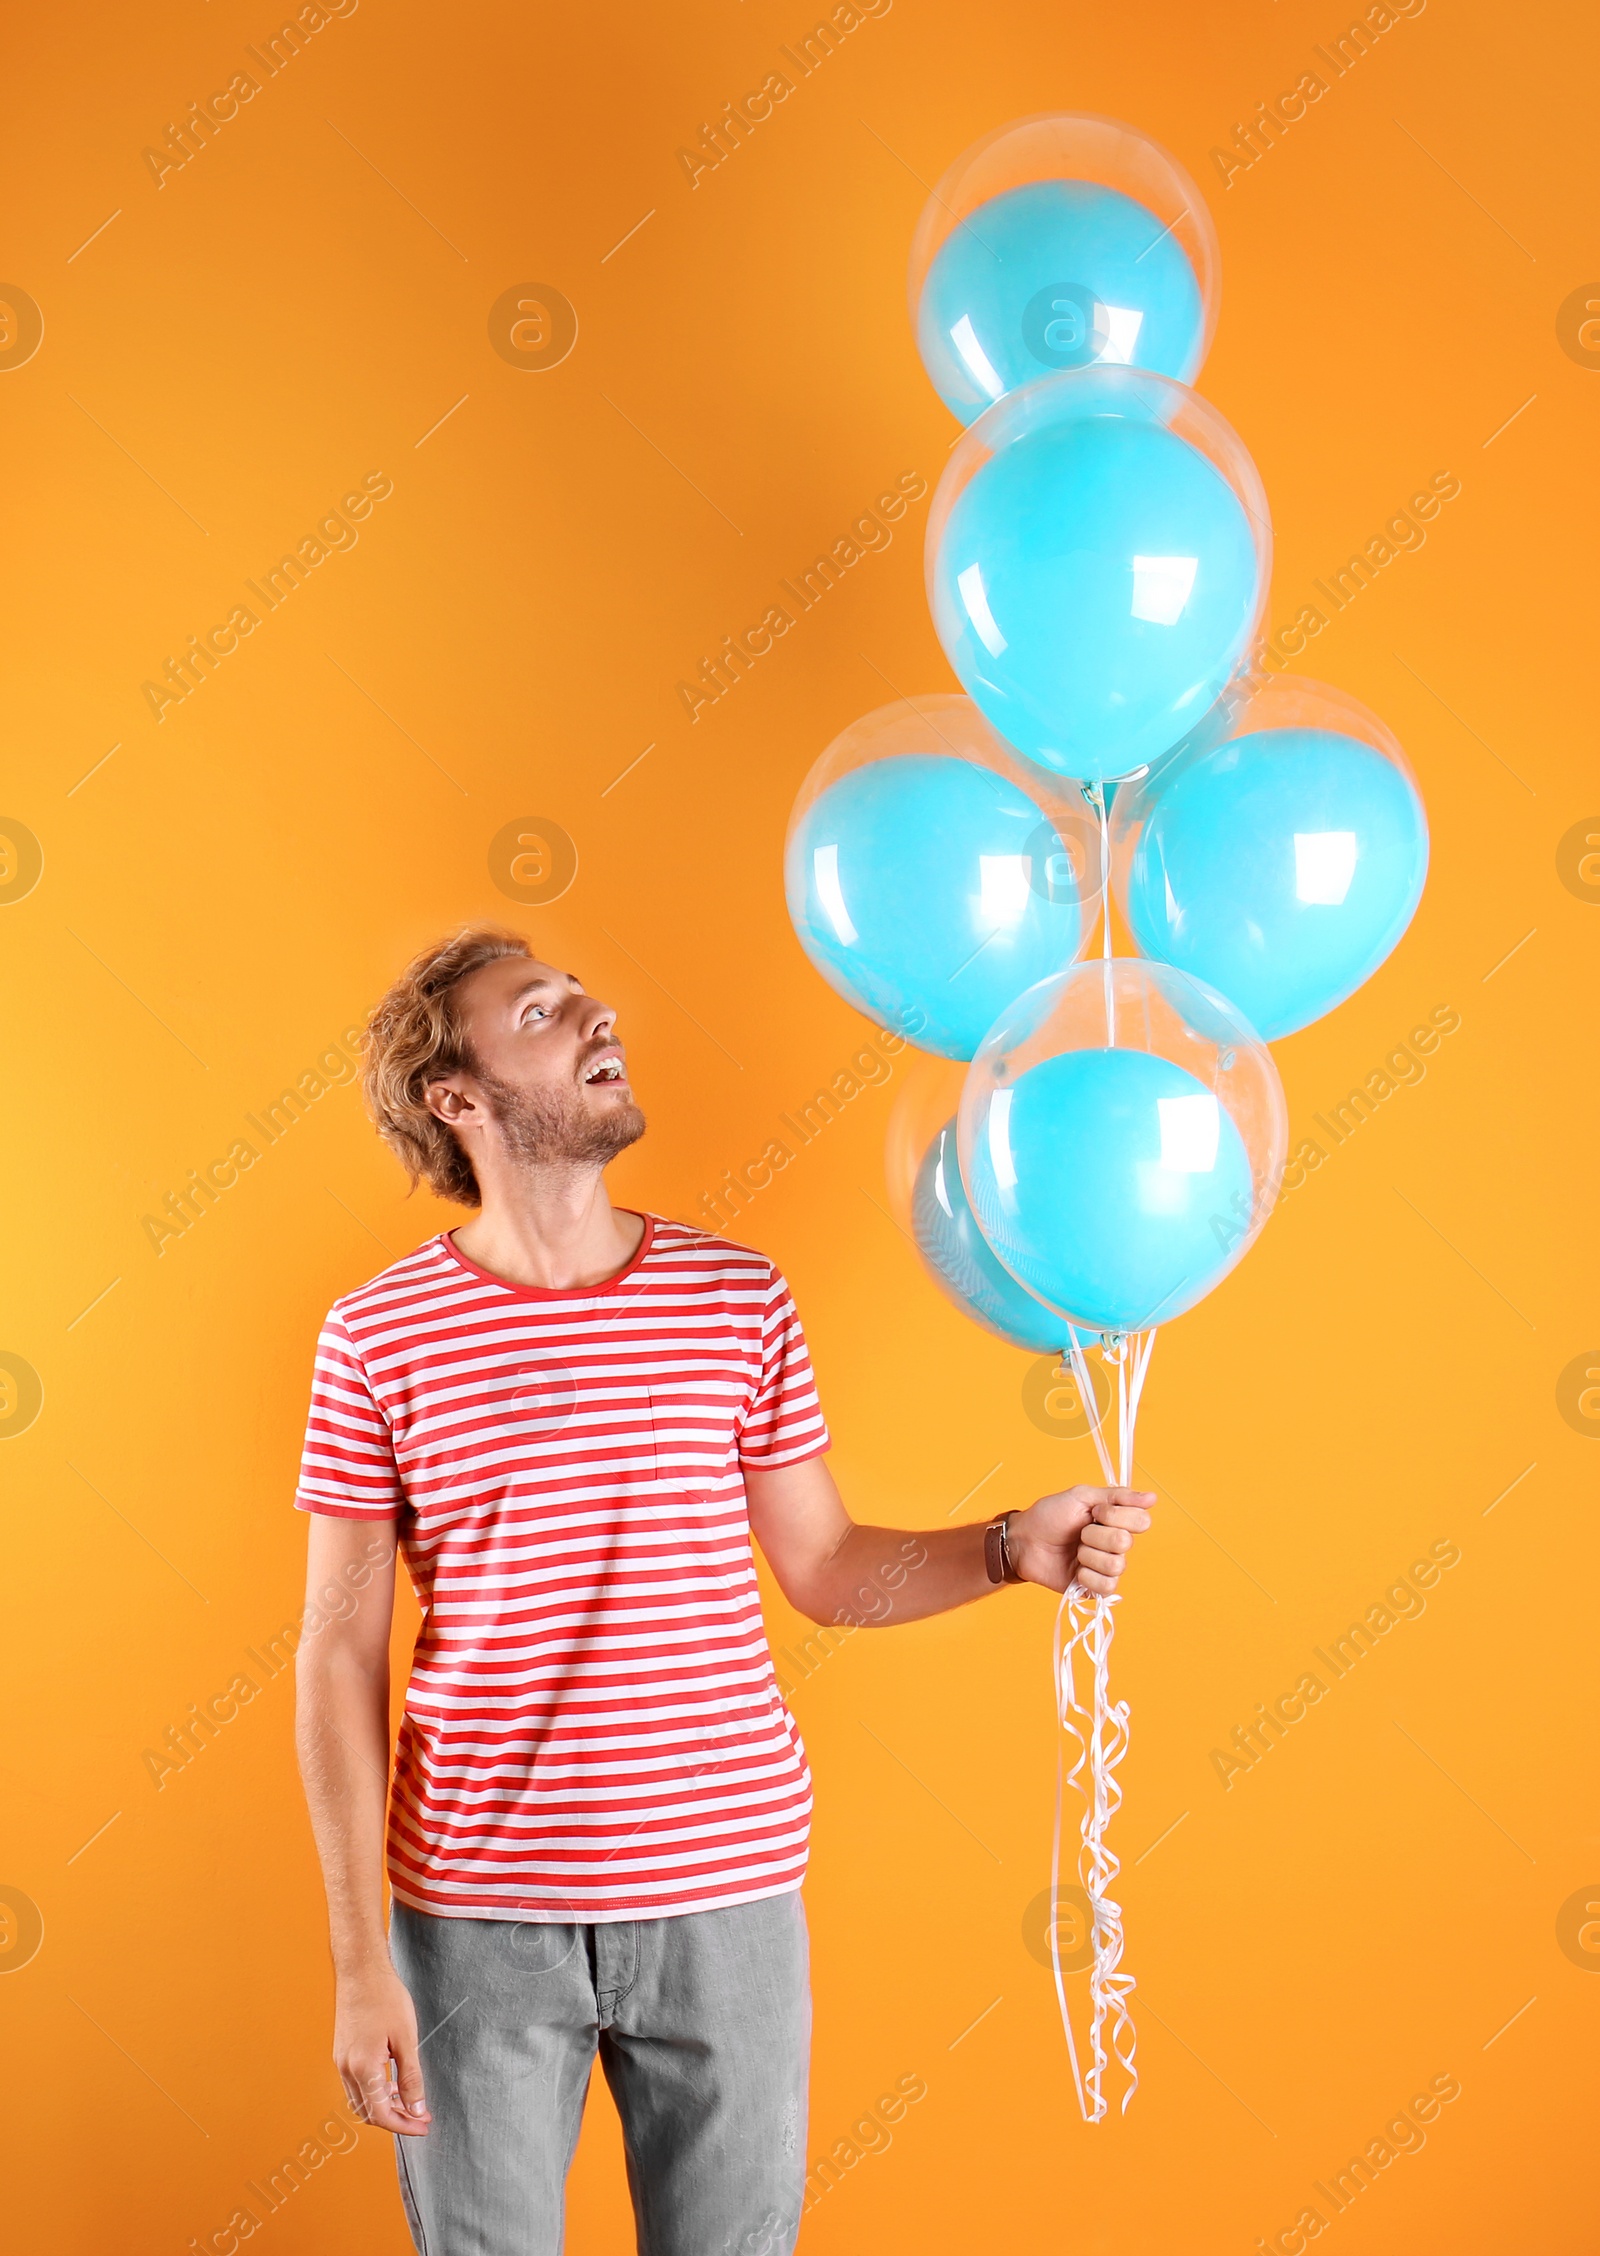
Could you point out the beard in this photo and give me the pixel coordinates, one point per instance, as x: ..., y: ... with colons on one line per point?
x: 556, y: 1127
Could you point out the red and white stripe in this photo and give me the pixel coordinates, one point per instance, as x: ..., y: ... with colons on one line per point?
x: 592, y: 1728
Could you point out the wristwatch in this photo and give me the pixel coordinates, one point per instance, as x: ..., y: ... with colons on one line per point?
x: 997, y: 1551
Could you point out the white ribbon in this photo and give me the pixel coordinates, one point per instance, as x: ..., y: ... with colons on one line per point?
x: 1098, y: 1729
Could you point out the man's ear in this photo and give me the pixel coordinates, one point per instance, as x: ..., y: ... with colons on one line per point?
x: 448, y: 1103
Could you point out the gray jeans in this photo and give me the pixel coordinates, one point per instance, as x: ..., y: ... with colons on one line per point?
x: 703, y: 2027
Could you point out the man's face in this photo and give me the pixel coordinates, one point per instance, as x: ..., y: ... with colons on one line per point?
x: 548, y: 1080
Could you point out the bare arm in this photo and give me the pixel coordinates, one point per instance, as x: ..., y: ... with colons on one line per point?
x: 835, y: 1570
x: 342, y: 1731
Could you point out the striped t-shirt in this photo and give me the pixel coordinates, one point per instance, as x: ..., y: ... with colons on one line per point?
x: 592, y: 1728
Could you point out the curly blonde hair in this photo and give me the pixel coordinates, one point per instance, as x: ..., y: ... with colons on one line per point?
x: 415, y: 1035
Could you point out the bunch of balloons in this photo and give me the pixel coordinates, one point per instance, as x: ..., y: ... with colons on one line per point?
x: 1103, y: 1139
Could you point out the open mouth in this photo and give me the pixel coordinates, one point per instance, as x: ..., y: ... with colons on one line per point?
x: 603, y: 1070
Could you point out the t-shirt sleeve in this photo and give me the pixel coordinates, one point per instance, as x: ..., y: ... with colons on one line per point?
x: 347, y: 1467
x: 784, y: 1423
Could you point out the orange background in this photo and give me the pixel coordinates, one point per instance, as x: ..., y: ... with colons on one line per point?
x: 233, y: 886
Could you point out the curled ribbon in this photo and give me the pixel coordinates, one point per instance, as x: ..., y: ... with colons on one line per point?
x: 1097, y: 1728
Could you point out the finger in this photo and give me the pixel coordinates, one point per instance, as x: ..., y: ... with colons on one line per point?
x: 378, y: 2098
x: 408, y: 2064
x: 1109, y: 1500
x: 1097, y: 1585
x: 1129, y: 1516
x: 1098, y: 1536
x: 1077, y: 1501
x: 350, y: 2078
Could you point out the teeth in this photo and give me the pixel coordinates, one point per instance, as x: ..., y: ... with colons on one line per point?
x: 609, y: 1071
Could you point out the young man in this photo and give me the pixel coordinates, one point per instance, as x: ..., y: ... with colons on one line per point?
x: 571, y: 1419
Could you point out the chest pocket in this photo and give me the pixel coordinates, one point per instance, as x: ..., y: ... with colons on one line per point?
x: 595, y: 1427
x: 696, y: 1428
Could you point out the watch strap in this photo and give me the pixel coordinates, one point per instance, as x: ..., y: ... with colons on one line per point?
x: 996, y: 1552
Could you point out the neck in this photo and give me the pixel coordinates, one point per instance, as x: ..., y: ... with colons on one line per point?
x: 549, y: 1226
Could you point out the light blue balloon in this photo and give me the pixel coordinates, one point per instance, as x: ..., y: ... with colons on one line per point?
x: 1281, y: 868
x: 954, y: 1248
x: 1094, y: 586
x: 1056, y: 274
x: 1109, y: 1182
x: 923, y: 889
